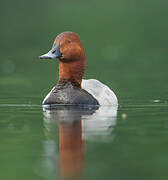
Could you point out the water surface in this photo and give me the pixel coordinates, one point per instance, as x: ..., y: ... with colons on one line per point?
x: 75, y: 143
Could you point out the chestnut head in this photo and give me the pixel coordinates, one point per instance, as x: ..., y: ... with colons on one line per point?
x: 66, y: 47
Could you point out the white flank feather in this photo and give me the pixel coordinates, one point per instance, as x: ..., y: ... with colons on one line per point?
x: 101, y: 92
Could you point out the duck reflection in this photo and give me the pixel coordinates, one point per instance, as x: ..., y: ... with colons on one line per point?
x: 71, y: 149
x: 75, y: 125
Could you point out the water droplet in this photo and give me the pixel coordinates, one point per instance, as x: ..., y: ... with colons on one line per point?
x: 123, y: 115
x: 156, y: 100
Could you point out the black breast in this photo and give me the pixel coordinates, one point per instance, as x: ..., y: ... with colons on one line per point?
x: 68, y: 93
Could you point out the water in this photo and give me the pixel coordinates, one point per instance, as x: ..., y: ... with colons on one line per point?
x: 77, y: 143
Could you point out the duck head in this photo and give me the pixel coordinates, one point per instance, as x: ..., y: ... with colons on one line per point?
x: 68, y: 48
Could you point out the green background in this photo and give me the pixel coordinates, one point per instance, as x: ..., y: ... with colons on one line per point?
x: 125, y: 42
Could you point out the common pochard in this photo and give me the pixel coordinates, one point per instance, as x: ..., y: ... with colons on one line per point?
x: 71, y: 89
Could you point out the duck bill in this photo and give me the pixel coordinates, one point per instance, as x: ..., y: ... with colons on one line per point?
x: 48, y: 55
x: 52, y: 54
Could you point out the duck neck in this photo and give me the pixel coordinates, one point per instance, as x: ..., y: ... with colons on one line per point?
x: 72, y: 71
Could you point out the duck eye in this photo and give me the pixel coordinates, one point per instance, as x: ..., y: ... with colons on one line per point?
x: 68, y: 41
x: 53, y: 51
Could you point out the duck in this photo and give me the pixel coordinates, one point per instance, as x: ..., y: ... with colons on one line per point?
x: 71, y: 88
